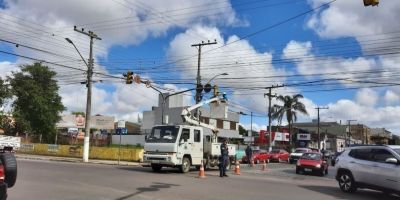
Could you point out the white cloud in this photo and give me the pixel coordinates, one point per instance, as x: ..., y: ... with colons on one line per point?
x: 45, y: 24
x: 6, y: 69
x: 351, y: 18
x: 255, y: 127
x: 331, y: 67
x: 391, y: 97
x: 367, y: 97
x: 239, y: 59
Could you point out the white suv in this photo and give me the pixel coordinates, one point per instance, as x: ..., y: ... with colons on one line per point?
x: 375, y: 167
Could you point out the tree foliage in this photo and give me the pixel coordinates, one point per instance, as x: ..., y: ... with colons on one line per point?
x: 76, y: 113
x: 4, y: 92
x: 37, y: 106
x: 290, y: 108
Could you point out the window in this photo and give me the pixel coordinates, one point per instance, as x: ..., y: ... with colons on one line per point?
x: 233, y: 126
x: 220, y: 123
x: 185, y: 134
x: 197, y: 136
x: 380, y: 155
x: 362, y: 154
x: 163, y: 134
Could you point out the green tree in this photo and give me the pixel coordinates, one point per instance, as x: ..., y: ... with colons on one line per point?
x: 242, y: 130
x: 4, y: 92
x: 37, y: 106
x: 5, y: 121
x: 291, y: 107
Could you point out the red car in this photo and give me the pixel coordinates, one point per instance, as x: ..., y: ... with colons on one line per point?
x: 312, y: 162
x: 278, y: 155
x: 258, y: 157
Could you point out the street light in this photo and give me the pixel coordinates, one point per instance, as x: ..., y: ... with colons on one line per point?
x: 70, y: 41
x: 223, y: 74
x: 88, y: 104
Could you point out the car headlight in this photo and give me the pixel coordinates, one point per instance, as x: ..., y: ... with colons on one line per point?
x: 318, y: 166
x: 298, y: 163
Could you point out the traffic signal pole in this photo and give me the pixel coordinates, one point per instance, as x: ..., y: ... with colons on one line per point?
x: 198, y: 77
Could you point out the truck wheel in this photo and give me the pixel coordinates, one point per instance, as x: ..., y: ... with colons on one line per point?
x: 185, y: 167
x: 10, y: 167
x: 156, y: 167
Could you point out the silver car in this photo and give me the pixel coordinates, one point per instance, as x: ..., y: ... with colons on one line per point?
x: 374, y: 167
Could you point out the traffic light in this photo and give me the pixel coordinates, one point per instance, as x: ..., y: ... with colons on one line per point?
x: 128, y: 77
x: 371, y: 2
x: 207, y: 88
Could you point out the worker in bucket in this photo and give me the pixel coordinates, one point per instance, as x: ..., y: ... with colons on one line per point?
x: 224, y: 159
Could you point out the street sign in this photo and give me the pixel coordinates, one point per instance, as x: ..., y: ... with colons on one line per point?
x: 121, y: 131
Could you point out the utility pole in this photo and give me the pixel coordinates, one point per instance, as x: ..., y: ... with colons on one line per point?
x: 269, y: 94
x: 251, y: 127
x: 319, y: 135
x: 199, y: 87
x: 349, y: 136
x: 92, y: 36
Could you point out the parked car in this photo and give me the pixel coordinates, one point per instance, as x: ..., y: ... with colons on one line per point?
x: 327, y: 154
x: 3, y: 185
x: 335, y: 157
x: 278, y: 155
x: 313, y: 163
x: 259, y: 156
x: 297, y: 154
x: 371, y: 166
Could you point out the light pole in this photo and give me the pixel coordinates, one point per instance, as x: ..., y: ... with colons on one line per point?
x: 89, y: 65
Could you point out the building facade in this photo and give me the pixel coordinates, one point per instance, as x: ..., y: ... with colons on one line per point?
x: 228, y: 124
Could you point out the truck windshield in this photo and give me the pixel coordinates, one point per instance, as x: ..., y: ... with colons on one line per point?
x: 163, y: 134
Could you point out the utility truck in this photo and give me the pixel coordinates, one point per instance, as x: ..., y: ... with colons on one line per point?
x: 183, y: 146
x: 8, y: 163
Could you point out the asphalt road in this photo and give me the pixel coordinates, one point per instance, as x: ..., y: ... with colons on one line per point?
x: 38, y: 180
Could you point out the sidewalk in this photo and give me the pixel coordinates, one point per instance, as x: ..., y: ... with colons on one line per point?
x: 74, y: 160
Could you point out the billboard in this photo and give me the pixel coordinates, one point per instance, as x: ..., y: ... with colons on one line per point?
x: 304, y: 136
x: 78, y: 121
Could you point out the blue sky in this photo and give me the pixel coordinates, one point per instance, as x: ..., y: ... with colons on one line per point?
x: 334, y: 49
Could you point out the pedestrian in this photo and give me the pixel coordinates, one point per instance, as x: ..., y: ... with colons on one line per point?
x: 224, y: 159
x: 249, y: 154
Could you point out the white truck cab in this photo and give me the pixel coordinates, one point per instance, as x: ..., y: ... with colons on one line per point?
x: 182, y: 146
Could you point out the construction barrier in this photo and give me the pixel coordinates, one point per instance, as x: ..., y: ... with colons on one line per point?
x: 237, y: 168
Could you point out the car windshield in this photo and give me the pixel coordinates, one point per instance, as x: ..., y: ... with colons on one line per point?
x: 311, y: 156
x: 163, y: 134
x: 275, y: 151
x: 300, y: 151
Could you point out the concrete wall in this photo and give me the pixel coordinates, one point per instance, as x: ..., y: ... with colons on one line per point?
x: 105, y: 153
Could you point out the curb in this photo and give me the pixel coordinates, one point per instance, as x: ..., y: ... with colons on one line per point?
x: 74, y: 160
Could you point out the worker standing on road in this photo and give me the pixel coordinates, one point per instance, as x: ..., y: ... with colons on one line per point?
x: 224, y: 159
x: 249, y: 154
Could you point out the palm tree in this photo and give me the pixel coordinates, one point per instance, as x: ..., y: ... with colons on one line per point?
x: 291, y: 107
